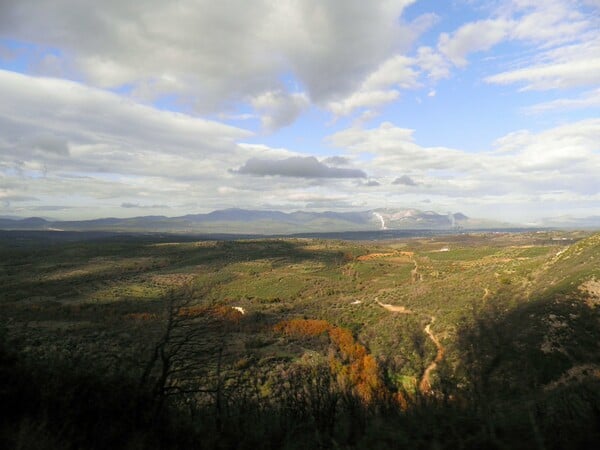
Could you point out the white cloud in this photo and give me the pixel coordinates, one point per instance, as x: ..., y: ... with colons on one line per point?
x: 550, y: 22
x: 432, y: 62
x: 575, y: 71
x: 74, y: 145
x: 472, y: 37
x: 90, y: 151
x: 81, y: 150
x: 213, y: 52
x: 561, y: 158
x: 381, y: 86
x: 551, y: 27
x: 572, y: 147
x: 62, y: 111
x: 363, y: 99
x: 396, y: 71
x: 278, y: 108
x: 589, y: 99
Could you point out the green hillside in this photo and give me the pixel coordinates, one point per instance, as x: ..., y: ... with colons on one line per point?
x: 473, y: 341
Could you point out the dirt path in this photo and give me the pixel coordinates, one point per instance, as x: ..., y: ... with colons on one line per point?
x: 425, y: 384
x: 416, y: 276
x: 393, y: 308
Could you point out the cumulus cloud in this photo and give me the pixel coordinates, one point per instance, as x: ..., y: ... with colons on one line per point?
x: 564, y: 157
x: 397, y: 147
x: 386, y: 137
x: 433, y: 63
x: 78, y: 146
x: 278, y: 108
x: 381, y: 86
x: 567, y: 148
x: 66, y: 126
x: 396, y: 71
x: 96, y: 144
x: 211, y: 52
x: 298, y: 167
x: 405, y: 180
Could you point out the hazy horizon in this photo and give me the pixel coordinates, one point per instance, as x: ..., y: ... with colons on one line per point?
x: 491, y: 109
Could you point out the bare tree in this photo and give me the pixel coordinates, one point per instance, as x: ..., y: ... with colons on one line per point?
x: 182, y: 357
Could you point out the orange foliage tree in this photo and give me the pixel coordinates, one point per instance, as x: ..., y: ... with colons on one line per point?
x: 349, y: 361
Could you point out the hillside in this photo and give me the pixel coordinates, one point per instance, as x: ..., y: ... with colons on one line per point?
x: 470, y: 340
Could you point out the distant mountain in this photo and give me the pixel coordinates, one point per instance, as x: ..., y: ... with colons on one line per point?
x: 263, y: 222
x: 414, y: 218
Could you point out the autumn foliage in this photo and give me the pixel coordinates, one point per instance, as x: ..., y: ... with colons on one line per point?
x: 303, y: 327
x: 349, y: 360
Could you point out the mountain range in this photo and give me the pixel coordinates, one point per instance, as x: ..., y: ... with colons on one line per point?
x: 245, y: 221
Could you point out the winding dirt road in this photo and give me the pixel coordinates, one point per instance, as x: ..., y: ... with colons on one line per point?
x: 425, y: 384
x: 486, y: 294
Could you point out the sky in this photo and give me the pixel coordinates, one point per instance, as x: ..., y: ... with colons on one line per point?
x: 124, y: 108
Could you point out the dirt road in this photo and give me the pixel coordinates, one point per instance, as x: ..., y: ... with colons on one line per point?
x: 393, y: 308
x: 425, y: 384
x: 415, y: 275
x: 486, y: 294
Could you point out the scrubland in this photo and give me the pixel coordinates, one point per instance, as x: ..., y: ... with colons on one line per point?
x: 486, y: 340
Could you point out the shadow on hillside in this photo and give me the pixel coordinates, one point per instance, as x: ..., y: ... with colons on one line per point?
x: 508, y: 398
x: 30, y: 273
x: 534, y: 370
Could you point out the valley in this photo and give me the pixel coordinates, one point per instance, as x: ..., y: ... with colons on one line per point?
x: 490, y: 333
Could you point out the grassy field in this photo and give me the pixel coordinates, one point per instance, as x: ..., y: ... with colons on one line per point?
x: 512, y: 313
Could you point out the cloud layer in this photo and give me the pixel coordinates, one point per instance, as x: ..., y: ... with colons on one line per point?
x: 210, y: 51
x: 198, y: 105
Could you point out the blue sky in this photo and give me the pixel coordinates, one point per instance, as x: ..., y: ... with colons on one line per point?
x: 491, y: 108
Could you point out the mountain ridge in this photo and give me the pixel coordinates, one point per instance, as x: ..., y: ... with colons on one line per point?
x: 237, y: 220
